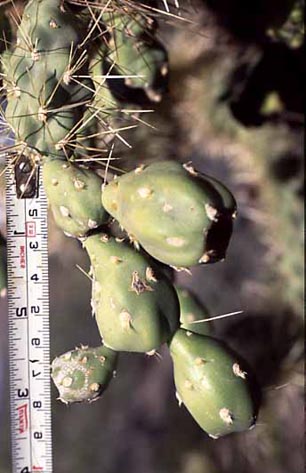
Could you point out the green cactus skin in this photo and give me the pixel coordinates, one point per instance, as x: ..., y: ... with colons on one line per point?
x: 45, y: 104
x: 190, y: 311
x: 136, y: 307
x: 3, y: 268
x: 74, y: 195
x: 133, y: 51
x: 104, y: 102
x: 212, y: 384
x: 132, y: 23
x: 180, y: 217
x: 83, y: 374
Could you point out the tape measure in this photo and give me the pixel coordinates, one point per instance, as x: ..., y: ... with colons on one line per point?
x: 28, y: 311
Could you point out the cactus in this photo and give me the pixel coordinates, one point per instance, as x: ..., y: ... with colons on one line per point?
x: 83, y: 374
x: 62, y: 99
x: 188, y: 217
x: 135, y: 54
x: 110, y: 110
x: 129, y: 68
x: 136, y: 307
x: 45, y: 105
x: 191, y: 312
x: 3, y: 281
x: 212, y: 384
x: 74, y: 194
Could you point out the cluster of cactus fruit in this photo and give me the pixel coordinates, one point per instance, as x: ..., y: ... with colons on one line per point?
x: 70, y: 80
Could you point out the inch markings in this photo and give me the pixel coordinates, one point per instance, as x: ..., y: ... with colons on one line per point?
x: 29, y: 341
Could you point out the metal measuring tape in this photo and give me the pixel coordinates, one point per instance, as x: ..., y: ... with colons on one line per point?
x: 28, y: 311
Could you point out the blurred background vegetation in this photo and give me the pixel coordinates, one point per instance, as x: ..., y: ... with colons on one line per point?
x: 235, y: 109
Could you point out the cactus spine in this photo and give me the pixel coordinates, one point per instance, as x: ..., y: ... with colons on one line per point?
x: 192, y: 313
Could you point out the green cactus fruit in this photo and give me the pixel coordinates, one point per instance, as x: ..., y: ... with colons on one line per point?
x: 136, y: 307
x: 3, y: 269
x: 83, y: 374
x: 192, y: 311
x: 74, y: 195
x: 136, y: 55
x: 179, y: 216
x: 45, y: 102
x: 212, y: 383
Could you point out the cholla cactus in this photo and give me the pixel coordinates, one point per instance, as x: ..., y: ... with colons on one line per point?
x: 212, y: 383
x: 70, y: 75
x: 136, y: 307
x: 74, y: 194
x: 45, y: 105
x: 188, y: 216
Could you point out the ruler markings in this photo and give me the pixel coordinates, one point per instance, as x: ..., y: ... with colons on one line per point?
x: 28, y: 304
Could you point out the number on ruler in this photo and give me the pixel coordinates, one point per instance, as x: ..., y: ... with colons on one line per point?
x: 33, y: 213
x: 23, y: 392
x: 35, y: 309
x: 21, y: 312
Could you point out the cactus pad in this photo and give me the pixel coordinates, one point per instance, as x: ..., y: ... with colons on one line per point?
x: 74, y: 194
x: 136, y: 55
x: 45, y: 104
x: 212, y: 384
x: 83, y: 374
x: 136, y: 307
x: 179, y: 216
